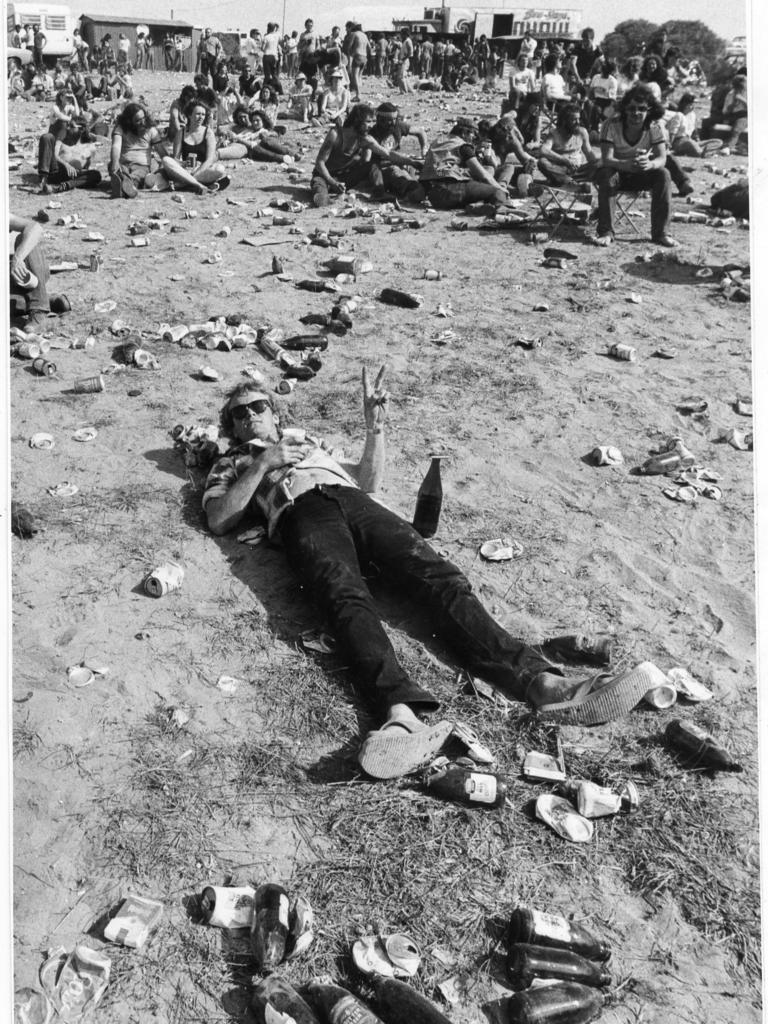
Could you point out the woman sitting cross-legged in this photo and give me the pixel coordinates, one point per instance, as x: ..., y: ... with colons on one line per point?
x: 194, y: 162
x: 634, y: 154
x: 566, y: 150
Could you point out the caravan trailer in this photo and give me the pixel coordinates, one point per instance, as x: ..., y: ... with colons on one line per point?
x: 55, y: 20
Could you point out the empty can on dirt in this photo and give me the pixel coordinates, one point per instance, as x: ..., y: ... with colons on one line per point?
x: 88, y: 385
x: 43, y: 368
x: 621, y: 351
x: 164, y: 579
x: 227, y: 906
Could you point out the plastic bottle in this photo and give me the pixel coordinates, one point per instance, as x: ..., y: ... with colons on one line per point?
x: 562, y: 1003
x: 283, y: 1001
x: 464, y: 784
x: 542, y: 929
x: 525, y: 963
x: 700, y: 747
x: 393, y: 297
x: 338, y: 1006
x: 399, y: 1003
x: 269, y: 927
x: 429, y: 501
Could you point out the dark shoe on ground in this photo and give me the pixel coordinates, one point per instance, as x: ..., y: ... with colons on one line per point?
x: 223, y: 183
x: 22, y: 521
x: 685, y: 189
x: 60, y: 304
x: 602, y: 698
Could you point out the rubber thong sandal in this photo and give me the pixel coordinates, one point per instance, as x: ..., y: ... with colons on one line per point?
x: 389, y: 752
x: 593, y: 704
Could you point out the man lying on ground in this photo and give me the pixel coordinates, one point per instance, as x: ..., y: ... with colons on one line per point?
x: 329, y: 524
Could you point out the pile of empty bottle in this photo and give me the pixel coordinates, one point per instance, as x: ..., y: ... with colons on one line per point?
x: 556, y: 967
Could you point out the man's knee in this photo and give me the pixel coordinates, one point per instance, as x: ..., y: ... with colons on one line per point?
x: 605, y: 177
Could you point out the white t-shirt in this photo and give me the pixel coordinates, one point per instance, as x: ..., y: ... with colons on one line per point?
x: 604, y: 88
x: 524, y: 80
x: 270, y: 47
x: 553, y: 86
x: 622, y: 150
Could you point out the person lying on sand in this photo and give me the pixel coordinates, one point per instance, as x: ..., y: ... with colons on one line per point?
x: 324, y: 515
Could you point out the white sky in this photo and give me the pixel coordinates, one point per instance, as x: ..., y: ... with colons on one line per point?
x: 726, y: 19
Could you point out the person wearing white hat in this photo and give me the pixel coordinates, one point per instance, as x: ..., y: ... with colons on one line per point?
x: 300, y: 98
x: 334, y: 100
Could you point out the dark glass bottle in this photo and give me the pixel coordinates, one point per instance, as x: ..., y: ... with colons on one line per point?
x: 276, y: 993
x: 466, y: 785
x: 541, y: 929
x: 399, y: 1003
x: 338, y: 1006
x: 269, y: 927
x: 429, y: 501
x: 699, y: 747
x: 562, y: 1003
x: 525, y: 963
x: 394, y: 297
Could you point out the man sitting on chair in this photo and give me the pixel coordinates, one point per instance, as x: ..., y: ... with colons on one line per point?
x: 566, y: 155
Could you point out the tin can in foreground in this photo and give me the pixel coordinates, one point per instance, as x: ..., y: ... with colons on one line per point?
x: 43, y: 368
x: 626, y: 352
x: 228, y: 906
x: 164, y: 579
x: 88, y: 385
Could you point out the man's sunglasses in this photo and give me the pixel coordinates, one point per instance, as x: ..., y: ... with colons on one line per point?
x: 259, y: 406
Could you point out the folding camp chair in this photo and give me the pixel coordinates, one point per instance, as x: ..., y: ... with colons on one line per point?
x: 624, y: 210
x: 563, y: 204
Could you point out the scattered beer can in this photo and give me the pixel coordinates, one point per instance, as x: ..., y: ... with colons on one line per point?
x: 176, y: 333
x: 43, y: 368
x: 28, y: 350
x: 285, y: 387
x: 433, y: 275
x: 139, y: 241
x: 97, y: 262
x: 88, y: 385
x: 164, y: 579
x: 626, y: 352
x: 227, y: 906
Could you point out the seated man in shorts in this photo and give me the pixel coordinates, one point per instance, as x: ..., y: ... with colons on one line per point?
x: 324, y: 515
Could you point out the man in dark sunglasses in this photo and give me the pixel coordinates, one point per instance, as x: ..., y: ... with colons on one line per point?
x: 323, y: 513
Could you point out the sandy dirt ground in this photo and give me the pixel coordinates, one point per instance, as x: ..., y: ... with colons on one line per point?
x: 603, y: 550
